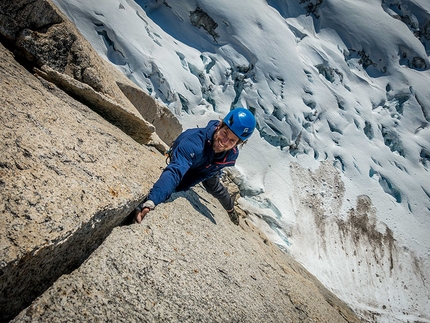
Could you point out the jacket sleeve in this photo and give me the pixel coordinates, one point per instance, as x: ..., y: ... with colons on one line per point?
x: 181, y: 161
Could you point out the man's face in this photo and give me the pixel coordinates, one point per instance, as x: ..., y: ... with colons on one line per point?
x: 224, y: 139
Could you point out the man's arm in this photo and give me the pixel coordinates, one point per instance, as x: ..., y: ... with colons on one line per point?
x: 181, y: 161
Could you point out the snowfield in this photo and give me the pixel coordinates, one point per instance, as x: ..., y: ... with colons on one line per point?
x: 338, y: 172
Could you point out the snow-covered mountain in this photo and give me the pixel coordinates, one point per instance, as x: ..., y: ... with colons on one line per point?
x: 338, y: 173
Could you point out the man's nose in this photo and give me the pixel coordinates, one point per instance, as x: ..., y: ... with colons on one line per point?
x: 224, y: 139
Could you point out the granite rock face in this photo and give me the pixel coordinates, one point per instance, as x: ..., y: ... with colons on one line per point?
x: 62, y: 182
x: 166, y: 124
x: 187, y: 262
x: 43, y: 38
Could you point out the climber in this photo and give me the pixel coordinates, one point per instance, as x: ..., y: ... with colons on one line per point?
x: 198, y: 155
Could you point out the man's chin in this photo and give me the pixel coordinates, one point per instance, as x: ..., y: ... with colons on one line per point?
x: 218, y: 150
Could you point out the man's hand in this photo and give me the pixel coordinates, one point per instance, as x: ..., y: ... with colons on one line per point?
x: 139, y: 215
x: 143, y: 209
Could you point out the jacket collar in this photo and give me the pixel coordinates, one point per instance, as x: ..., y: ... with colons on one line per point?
x: 210, y: 129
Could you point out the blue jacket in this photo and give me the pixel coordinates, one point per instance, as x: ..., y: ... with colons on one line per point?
x: 193, y: 161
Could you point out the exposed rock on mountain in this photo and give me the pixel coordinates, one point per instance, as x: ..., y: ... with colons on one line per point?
x: 161, y: 117
x: 62, y: 183
x: 188, y: 263
x: 40, y: 35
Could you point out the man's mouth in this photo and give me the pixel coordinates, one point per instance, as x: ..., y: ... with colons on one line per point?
x: 220, y: 144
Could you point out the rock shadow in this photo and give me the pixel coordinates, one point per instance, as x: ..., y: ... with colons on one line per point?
x: 195, y: 201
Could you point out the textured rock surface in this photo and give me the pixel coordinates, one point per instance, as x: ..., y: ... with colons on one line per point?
x: 187, y: 263
x: 42, y: 37
x: 167, y: 126
x: 62, y: 181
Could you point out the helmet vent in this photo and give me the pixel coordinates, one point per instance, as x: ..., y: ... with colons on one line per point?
x: 231, y: 120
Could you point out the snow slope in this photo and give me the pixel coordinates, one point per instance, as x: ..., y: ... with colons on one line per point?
x: 338, y: 173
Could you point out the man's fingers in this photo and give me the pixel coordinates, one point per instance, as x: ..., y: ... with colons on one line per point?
x: 140, y: 215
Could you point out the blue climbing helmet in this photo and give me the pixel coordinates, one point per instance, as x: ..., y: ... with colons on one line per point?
x: 241, y: 121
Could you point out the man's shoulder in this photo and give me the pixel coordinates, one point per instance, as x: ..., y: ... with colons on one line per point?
x: 213, y: 123
x: 191, y: 141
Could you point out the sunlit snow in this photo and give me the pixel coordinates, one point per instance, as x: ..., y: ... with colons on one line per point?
x: 338, y: 172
